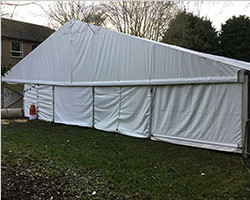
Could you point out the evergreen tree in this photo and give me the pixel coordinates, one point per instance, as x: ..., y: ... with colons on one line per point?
x: 235, y: 38
x: 192, y: 32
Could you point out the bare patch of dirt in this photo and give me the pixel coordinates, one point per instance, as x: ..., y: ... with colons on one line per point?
x: 8, y: 121
x: 21, y: 182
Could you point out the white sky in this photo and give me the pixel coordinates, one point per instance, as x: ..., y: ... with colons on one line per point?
x: 217, y: 11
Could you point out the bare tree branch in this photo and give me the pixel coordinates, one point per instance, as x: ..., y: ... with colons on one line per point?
x: 60, y: 12
x: 146, y: 19
x: 14, y: 5
x: 17, y: 4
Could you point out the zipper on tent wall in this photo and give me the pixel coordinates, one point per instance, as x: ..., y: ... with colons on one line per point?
x: 93, y: 107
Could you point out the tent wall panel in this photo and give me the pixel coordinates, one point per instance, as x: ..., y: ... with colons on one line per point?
x: 45, y: 102
x: 30, y: 97
x: 209, y: 114
x: 134, y: 111
x: 106, y: 109
x: 73, y: 105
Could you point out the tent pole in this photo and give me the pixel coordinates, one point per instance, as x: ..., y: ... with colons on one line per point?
x: 245, y: 117
x: 93, y: 107
x: 151, y: 112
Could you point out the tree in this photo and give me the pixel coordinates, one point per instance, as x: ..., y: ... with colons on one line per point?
x: 192, y: 32
x: 60, y: 12
x: 4, y: 69
x: 235, y: 38
x: 145, y: 19
x: 6, y: 6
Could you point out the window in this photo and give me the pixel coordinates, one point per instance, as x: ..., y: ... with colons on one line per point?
x: 16, y: 49
x: 33, y: 46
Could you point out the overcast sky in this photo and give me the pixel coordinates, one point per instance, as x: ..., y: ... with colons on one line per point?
x: 217, y: 11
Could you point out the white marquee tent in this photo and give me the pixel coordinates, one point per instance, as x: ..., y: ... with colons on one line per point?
x: 93, y: 77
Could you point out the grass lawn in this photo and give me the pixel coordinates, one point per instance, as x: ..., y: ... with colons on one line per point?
x: 48, y: 161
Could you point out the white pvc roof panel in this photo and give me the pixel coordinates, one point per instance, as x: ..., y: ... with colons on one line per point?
x: 83, y: 54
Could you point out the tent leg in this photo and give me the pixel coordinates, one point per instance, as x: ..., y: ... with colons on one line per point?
x: 93, y: 107
x: 245, y: 117
x: 151, y: 112
x: 244, y: 146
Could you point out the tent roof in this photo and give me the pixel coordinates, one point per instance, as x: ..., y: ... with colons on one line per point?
x: 83, y: 54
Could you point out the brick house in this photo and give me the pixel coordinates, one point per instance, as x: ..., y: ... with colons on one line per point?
x: 20, y: 38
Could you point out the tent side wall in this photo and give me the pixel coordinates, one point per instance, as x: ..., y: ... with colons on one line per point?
x: 200, y: 115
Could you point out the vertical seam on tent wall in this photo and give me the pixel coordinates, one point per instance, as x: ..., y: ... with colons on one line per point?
x: 24, y: 86
x: 151, y: 62
x: 119, y: 109
x: 71, y: 52
x: 93, y: 107
x: 37, y: 100
x: 215, y: 106
x: 151, y: 111
x: 53, y: 90
x: 151, y: 91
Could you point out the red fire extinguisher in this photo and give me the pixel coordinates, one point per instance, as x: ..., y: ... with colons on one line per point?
x: 32, y: 112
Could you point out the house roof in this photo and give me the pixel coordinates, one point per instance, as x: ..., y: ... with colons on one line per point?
x: 24, y: 31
